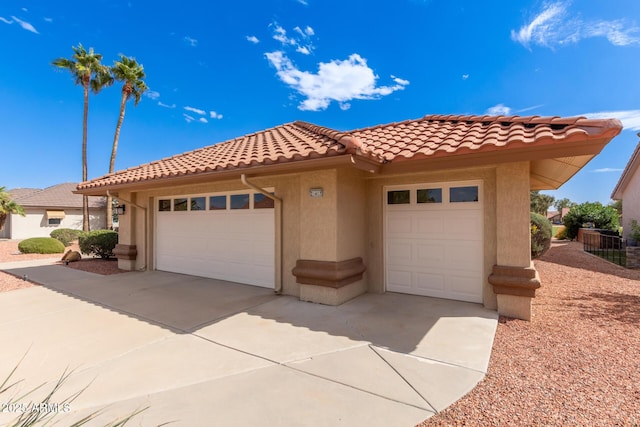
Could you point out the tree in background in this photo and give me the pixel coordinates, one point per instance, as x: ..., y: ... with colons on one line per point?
x: 540, y: 203
x: 88, y: 72
x: 563, y: 203
x: 8, y: 206
x: 617, y: 205
x: 128, y: 71
x: 595, y: 214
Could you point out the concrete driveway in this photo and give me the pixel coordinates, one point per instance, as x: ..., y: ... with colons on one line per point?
x: 197, y: 351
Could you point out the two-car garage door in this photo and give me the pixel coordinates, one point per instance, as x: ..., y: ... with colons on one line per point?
x: 434, y: 240
x: 228, y: 236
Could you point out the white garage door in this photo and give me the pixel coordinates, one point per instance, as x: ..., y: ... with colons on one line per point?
x: 228, y: 236
x: 434, y: 240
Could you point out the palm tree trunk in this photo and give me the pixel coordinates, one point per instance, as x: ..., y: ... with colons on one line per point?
x: 114, y: 150
x: 85, y: 199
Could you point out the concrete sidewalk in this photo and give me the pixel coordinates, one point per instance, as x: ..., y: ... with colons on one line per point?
x: 206, y: 352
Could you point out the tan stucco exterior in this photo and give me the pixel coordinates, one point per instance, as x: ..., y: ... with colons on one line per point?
x: 346, y: 222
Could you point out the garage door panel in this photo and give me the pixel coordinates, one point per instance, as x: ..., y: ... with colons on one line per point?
x: 435, y: 249
x: 430, y: 281
x: 429, y: 223
x: 233, y: 245
x: 400, y: 279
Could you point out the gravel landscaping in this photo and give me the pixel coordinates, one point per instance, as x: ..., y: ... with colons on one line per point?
x: 576, y: 363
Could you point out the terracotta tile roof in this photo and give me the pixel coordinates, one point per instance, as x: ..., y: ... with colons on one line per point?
x: 438, y: 135
x: 56, y: 196
x: 430, y: 136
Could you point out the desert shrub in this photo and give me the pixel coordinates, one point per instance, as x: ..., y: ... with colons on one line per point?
x: 540, y: 235
x: 66, y: 235
x: 41, y: 245
x: 562, y: 234
x: 98, y: 242
x: 600, y: 216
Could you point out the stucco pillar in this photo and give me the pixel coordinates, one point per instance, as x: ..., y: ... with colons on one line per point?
x: 330, y: 268
x: 514, y: 277
x: 126, y: 249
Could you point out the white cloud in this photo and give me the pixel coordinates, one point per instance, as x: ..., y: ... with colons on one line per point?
x: 188, y: 118
x: 337, y: 80
x: 48, y: 19
x: 303, y: 2
x: 302, y: 43
x: 203, y: 120
x: 605, y: 170
x: 465, y: 76
x: 554, y: 26
x: 253, y: 39
x: 24, y: 24
x: 215, y: 115
x: 151, y: 94
x: 166, y: 105
x: 498, y: 110
x: 196, y: 110
x: 630, y: 118
x: 190, y: 41
x: 533, y: 107
x: 401, y: 82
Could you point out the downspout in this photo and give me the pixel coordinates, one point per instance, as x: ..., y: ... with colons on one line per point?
x: 146, y: 253
x: 278, y: 205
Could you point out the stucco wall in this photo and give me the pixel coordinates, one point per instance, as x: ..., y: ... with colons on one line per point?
x: 35, y: 224
x: 631, y: 203
x: 347, y: 221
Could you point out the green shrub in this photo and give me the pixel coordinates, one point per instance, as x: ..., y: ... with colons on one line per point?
x: 66, y: 235
x: 602, y: 217
x: 540, y: 235
x: 562, y: 234
x: 41, y: 245
x: 98, y: 242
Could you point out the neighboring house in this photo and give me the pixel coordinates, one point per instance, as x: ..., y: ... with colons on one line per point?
x: 437, y: 206
x: 50, y: 208
x: 628, y: 190
x: 556, y: 217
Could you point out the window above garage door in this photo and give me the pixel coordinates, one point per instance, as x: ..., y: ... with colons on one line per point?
x: 464, y: 195
x: 242, y: 200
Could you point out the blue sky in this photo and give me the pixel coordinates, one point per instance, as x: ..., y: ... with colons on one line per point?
x: 217, y: 70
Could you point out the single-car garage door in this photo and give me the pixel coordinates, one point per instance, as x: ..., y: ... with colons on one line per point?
x: 228, y: 236
x: 434, y: 240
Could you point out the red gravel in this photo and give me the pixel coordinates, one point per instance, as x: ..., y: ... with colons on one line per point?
x: 577, y: 363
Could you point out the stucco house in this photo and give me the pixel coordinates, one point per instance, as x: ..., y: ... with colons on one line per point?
x: 437, y: 206
x: 50, y: 208
x: 628, y: 190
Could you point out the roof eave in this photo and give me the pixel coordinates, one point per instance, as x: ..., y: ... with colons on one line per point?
x: 629, y: 170
x: 193, y: 178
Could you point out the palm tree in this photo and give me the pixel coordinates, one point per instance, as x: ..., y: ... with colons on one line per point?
x: 128, y: 71
x: 8, y: 206
x: 88, y: 72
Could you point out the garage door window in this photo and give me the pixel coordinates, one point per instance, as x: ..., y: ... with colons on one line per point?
x: 430, y: 195
x: 399, y: 197
x: 198, y: 203
x: 260, y: 201
x: 240, y: 201
x: 180, y: 204
x: 463, y: 194
x: 164, y: 205
x: 217, y: 203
